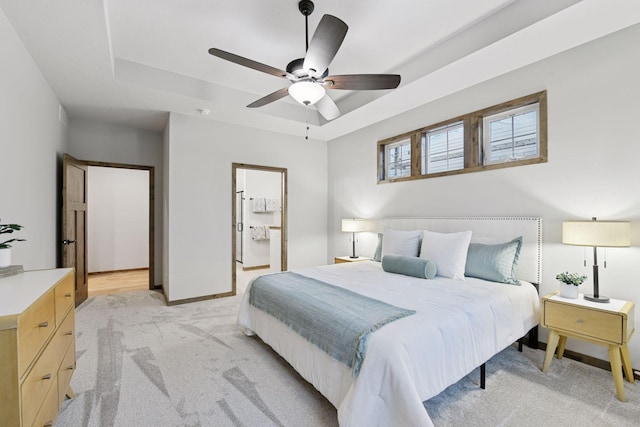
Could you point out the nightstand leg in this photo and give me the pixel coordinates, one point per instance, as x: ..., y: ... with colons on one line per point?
x: 616, y: 370
x: 561, y: 344
x: 551, y: 348
x: 626, y: 363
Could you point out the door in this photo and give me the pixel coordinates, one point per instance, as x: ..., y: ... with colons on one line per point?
x: 74, y: 222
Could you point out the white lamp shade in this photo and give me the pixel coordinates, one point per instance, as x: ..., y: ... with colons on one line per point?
x: 354, y: 225
x: 597, y: 233
x: 306, y: 93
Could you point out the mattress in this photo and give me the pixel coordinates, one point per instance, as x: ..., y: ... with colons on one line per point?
x: 458, y: 326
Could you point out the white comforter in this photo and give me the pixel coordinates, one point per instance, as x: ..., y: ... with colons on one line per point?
x: 458, y: 326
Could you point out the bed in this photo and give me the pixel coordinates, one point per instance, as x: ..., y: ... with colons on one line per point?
x: 448, y: 326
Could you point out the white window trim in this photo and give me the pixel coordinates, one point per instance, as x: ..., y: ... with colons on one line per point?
x: 426, y: 145
x: 486, y: 137
x: 387, y: 148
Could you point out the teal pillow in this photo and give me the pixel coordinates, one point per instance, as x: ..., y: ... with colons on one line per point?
x: 409, y: 266
x: 496, y: 263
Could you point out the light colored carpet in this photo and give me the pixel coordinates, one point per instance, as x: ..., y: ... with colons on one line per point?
x: 141, y: 363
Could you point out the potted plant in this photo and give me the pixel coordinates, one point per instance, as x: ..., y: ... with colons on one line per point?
x: 569, y: 283
x: 5, y: 247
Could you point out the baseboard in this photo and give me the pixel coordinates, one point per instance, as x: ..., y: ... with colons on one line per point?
x: 119, y: 271
x: 587, y: 360
x: 196, y: 299
x: 256, y: 267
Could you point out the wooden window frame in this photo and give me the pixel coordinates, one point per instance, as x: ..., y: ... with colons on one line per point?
x: 473, y: 146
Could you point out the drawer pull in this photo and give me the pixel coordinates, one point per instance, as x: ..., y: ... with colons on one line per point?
x: 46, y: 377
x: 580, y: 321
x: 67, y: 295
x: 43, y: 324
x: 69, y: 333
x: 70, y: 368
x: 48, y: 424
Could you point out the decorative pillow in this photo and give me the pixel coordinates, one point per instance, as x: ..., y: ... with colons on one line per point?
x: 401, y: 242
x: 494, y: 262
x: 377, y: 256
x: 409, y: 266
x: 448, y: 251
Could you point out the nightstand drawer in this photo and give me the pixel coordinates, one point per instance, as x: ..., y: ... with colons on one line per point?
x: 601, y: 325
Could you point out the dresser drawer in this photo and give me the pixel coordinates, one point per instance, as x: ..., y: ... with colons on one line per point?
x: 64, y: 297
x: 590, y: 323
x: 37, y: 383
x: 37, y: 324
x: 65, y: 335
x: 65, y: 372
x: 48, y: 411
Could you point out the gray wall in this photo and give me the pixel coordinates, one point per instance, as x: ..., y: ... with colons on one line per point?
x: 32, y: 140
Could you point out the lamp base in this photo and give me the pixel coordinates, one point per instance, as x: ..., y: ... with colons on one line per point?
x: 596, y: 299
x: 353, y: 256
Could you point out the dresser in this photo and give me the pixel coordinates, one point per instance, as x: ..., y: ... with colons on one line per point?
x: 37, y: 345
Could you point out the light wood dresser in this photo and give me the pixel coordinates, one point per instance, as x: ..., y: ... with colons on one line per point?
x: 37, y: 345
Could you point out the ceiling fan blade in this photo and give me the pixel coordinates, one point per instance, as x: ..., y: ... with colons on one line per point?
x: 248, y: 63
x: 280, y: 93
x: 362, y: 81
x: 324, y: 44
x: 327, y: 108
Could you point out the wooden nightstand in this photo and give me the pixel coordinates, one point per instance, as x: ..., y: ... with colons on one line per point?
x: 339, y: 259
x: 610, y: 324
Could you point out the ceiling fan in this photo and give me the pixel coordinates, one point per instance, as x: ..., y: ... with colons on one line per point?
x: 310, y: 75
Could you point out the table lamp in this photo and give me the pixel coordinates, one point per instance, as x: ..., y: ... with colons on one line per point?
x: 613, y: 234
x: 354, y: 226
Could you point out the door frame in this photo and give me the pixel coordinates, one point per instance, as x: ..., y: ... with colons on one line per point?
x: 151, y: 170
x: 283, y: 222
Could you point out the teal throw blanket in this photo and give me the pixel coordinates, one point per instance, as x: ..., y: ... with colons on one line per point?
x: 336, y: 320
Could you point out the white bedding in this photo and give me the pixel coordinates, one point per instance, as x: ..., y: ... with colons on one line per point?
x: 458, y: 326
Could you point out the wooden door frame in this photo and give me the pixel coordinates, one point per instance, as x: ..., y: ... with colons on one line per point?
x: 151, y: 170
x: 283, y: 222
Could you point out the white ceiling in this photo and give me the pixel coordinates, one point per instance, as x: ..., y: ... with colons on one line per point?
x: 130, y: 62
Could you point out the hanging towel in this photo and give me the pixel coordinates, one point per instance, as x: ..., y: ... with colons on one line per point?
x: 260, y: 232
x: 258, y: 204
x: 271, y: 205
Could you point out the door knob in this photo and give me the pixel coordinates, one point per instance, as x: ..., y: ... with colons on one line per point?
x: 68, y: 242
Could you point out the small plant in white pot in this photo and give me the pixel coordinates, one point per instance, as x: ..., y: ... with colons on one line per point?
x: 569, y: 283
x: 5, y: 247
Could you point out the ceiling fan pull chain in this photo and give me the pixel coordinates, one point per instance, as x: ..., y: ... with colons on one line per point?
x: 306, y: 122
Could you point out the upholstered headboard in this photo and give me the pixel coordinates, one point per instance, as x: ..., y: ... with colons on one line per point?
x: 487, y: 230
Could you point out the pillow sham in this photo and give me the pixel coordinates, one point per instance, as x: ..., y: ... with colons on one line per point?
x: 496, y: 263
x: 396, y: 242
x: 409, y: 266
x: 448, y: 251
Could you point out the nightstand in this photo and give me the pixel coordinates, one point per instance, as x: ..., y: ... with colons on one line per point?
x: 609, y: 324
x: 340, y: 259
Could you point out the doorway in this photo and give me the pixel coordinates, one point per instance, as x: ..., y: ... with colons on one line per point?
x: 74, y: 248
x: 118, y: 224
x: 259, y: 219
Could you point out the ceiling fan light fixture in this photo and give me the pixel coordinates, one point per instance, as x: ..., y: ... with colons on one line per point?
x: 306, y: 93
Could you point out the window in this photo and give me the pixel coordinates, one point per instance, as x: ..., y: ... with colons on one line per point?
x: 443, y: 149
x: 510, y: 134
x: 398, y: 159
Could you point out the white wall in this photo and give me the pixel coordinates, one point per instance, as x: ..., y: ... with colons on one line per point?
x: 594, y: 148
x: 201, y: 152
x: 261, y: 184
x: 32, y: 140
x: 118, y: 219
x: 102, y: 142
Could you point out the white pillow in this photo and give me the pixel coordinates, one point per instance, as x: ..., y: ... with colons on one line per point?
x: 401, y: 242
x: 447, y: 250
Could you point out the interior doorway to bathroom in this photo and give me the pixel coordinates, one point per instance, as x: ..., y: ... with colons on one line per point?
x: 259, y: 218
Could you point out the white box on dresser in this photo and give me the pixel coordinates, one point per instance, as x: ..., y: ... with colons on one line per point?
x: 37, y: 345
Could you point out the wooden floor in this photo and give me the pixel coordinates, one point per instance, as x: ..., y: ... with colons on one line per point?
x: 118, y: 282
